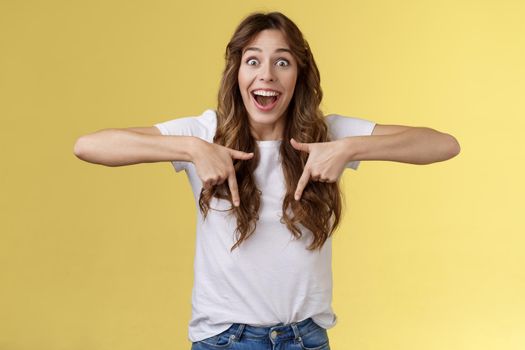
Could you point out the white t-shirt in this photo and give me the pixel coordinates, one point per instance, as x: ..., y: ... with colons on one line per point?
x: 271, y: 277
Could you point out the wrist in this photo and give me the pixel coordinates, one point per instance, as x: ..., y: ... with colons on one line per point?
x: 193, y: 146
x: 350, y: 148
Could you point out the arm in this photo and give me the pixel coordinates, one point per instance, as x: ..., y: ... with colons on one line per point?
x: 406, y: 144
x: 117, y: 147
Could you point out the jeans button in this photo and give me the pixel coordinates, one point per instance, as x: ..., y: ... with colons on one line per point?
x: 273, y: 334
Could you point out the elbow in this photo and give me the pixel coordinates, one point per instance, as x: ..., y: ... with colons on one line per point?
x: 85, y: 149
x: 86, y: 144
x: 446, y: 149
x: 91, y: 148
x: 452, y: 148
x: 78, y: 148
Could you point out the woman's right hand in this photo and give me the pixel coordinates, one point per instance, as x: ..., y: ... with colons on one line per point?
x: 214, y: 165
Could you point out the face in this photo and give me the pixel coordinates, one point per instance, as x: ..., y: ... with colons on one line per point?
x: 267, y: 64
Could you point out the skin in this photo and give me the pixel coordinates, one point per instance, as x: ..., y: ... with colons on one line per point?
x: 269, y: 69
x: 262, y: 66
x: 266, y: 67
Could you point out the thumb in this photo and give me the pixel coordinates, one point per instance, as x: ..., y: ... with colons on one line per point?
x: 240, y: 154
x: 299, y: 145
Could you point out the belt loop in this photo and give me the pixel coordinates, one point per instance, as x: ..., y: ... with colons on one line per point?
x: 296, y: 332
x: 239, y: 331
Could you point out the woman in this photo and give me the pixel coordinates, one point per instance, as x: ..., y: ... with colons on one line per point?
x: 264, y: 169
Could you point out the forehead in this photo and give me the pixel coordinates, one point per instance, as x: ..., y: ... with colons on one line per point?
x: 268, y: 40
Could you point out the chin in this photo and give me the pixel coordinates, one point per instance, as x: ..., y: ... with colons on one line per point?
x: 265, y: 118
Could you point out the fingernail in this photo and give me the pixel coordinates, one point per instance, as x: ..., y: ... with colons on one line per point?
x: 236, y: 203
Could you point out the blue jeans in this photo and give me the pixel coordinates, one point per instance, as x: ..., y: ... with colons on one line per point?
x: 303, y: 335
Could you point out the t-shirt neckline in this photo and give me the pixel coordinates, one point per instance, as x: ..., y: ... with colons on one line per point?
x: 268, y: 143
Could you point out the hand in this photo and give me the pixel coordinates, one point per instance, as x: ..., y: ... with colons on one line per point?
x: 326, y: 162
x: 214, y: 165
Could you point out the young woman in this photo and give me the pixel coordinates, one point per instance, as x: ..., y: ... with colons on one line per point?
x: 264, y: 169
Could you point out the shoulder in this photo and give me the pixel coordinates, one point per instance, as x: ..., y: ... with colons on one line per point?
x: 340, y: 126
x: 335, y: 118
x: 202, y: 126
x: 206, y: 119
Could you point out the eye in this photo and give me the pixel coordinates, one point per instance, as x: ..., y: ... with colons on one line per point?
x: 283, y: 60
x: 286, y: 62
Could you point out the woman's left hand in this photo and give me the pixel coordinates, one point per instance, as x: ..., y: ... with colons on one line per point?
x: 326, y: 162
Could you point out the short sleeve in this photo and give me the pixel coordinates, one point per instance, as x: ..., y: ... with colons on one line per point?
x: 341, y: 126
x: 202, y: 126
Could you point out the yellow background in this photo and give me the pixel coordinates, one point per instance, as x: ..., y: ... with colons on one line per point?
x: 100, y: 258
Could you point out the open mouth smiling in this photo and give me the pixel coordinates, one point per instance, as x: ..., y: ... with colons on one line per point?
x: 265, y: 99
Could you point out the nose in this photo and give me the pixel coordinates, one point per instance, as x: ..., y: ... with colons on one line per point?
x: 267, y: 73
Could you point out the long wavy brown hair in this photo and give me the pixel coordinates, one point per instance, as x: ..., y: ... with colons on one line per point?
x: 319, y: 209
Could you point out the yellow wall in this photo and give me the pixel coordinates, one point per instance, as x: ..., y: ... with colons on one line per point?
x: 100, y: 258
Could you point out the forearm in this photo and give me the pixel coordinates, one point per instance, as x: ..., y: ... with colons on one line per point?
x: 117, y: 147
x: 417, y: 145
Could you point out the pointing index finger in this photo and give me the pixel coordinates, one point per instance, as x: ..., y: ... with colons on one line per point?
x: 232, y: 182
x: 302, y: 184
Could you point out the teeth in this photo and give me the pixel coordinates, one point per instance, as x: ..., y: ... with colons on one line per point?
x: 265, y: 93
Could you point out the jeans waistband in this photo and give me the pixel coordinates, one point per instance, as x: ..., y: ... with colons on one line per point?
x: 277, y: 333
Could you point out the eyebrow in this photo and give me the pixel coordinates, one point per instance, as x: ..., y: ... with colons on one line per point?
x: 281, y: 49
